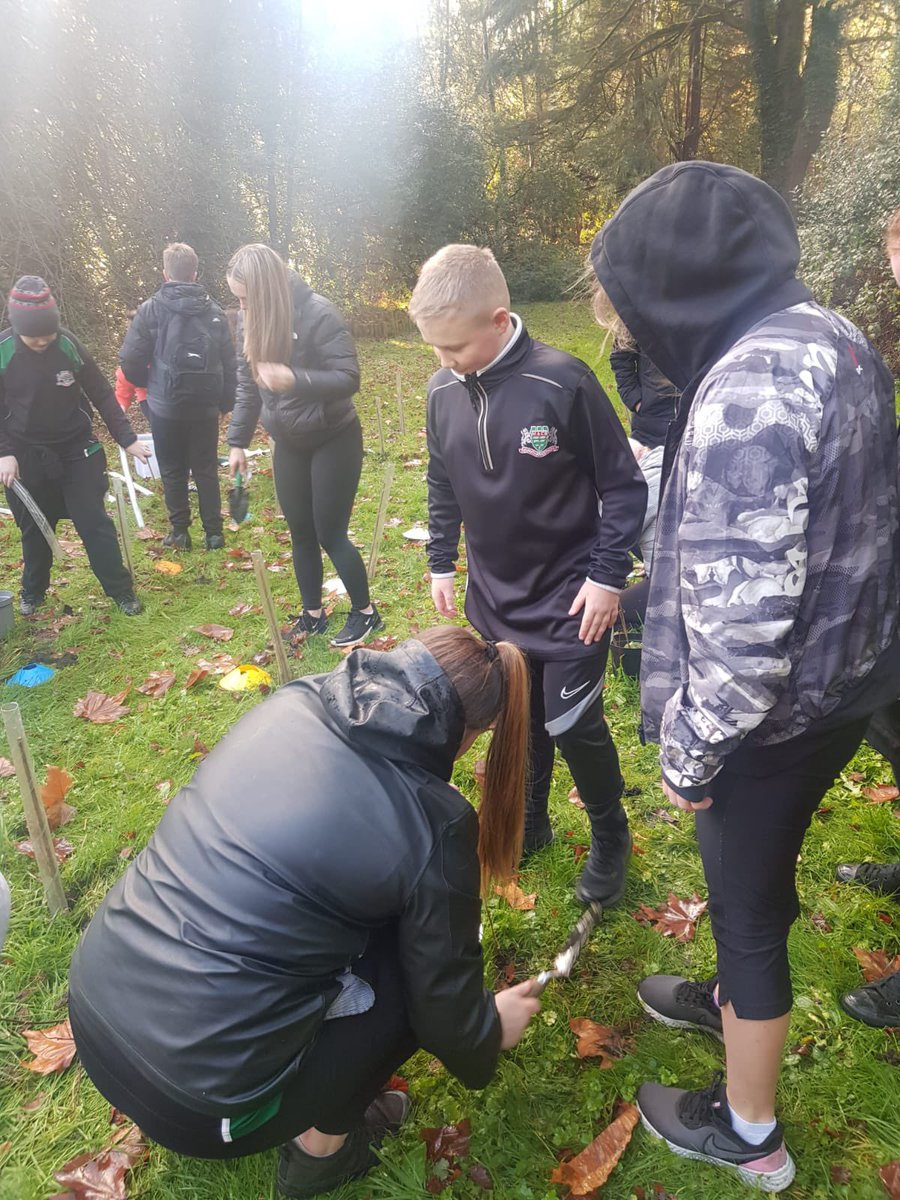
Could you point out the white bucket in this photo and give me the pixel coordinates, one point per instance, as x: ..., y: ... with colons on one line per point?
x: 149, y: 469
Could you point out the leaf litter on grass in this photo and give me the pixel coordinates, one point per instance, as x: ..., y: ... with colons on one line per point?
x: 157, y: 684
x: 53, y: 1049
x: 676, y: 918
x: 100, y: 708
x: 605, y: 1042
x: 591, y: 1168
x: 53, y: 797
x: 515, y: 897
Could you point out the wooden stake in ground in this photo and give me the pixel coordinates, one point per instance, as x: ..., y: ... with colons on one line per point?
x: 35, y: 815
x: 379, y: 523
x: 122, y: 522
x: 278, y: 512
x: 380, y: 425
x: 268, y: 604
x: 400, y: 403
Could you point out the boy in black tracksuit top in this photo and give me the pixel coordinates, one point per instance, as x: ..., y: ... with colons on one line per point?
x: 48, y: 385
x: 179, y: 347
x: 523, y: 444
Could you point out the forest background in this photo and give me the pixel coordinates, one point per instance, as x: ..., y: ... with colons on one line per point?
x: 358, y: 137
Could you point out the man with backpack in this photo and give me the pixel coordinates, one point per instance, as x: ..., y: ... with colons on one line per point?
x: 179, y: 348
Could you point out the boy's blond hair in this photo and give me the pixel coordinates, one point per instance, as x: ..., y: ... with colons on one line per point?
x: 892, y: 233
x: 459, y: 280
x: 180, y: 262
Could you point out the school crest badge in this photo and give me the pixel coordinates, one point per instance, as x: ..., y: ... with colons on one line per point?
x: 64, y: 378
x: 539, y: 441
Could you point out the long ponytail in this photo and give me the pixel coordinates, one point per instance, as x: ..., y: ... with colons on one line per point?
x: 492, y: 682
x: 269, y: 309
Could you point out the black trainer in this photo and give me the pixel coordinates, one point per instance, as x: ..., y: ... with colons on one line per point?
x: 214, y: 541
x: 603, y: 876
x: 881, y: 878
x: 697, y: 1125
x: 680, y: 1003
x: 308, y: 624
x: 301, y: 1174
x: 178, y: 541
x: 876, y: 1004
x: 130, y: 605
x: 358, y: 627
x: 29, y: 603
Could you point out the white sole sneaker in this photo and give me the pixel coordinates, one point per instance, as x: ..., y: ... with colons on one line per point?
x: 763, y: 1179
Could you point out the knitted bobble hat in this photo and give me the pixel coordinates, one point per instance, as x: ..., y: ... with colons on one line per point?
x: 32, y: 308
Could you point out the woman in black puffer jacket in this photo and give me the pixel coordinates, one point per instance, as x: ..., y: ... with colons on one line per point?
x: 297, y: 369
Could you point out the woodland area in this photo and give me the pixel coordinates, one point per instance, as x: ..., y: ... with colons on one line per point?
x: 358, y: 143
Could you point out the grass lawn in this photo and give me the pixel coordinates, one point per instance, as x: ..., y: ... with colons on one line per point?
x: 840, y: 1090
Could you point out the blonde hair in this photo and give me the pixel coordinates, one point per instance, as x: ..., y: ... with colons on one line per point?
x: 892, y: 233
x: 269, y: 309
x: 459, y: 280
x: 605, y: 313
x: 180, y: 262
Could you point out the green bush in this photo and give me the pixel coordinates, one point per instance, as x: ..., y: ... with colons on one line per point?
x: 541, y: 271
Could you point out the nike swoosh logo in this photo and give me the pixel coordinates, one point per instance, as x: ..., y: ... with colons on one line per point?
x: 568, y: 695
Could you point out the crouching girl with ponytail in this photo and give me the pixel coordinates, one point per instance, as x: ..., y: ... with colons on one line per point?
x: 306, y: 916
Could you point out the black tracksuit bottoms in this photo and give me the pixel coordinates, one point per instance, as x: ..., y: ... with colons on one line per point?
x: 345, y: 1068
x: 183, y: 448
x: 77, y: 489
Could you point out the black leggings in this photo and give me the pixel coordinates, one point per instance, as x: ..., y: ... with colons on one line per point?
x: 763, y: 801
x: 316, y: 488
x: 346, y: 1067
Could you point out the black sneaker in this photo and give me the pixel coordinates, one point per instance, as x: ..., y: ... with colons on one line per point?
x: 214, y: 541
x: 358, y: 628
x: 876, y: 1004
x: 697, y: 1125
x: 537, y: 839
x: 680, y: 1003
x: 308, y: 624
x: 130, y: 605
x: 178, y: 541
x: 29, y: 603
x: 881, y: 878
x: 603, y: 876
x: 301, y: 1174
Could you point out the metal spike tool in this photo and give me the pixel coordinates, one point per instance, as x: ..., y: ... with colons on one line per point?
x: 575, y: 943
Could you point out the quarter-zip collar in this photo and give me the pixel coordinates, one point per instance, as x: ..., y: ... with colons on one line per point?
x: 518, y: 328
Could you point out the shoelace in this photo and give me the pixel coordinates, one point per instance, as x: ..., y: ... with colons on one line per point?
x: 700, y: 1107
x: 885, y: 876
x: 698, y: 993
x: 888, y: 988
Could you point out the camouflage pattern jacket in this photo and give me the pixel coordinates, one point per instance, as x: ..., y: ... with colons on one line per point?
x: 775, y: 575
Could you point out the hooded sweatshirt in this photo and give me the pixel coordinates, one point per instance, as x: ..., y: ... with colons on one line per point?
x: 324, y: 814
x: 776, y: 573
x: 183, y: 311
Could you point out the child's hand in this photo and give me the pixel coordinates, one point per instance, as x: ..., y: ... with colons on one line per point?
x: 237, y: 461
x: 600, y: 610
x: 515, y: 1008
x: 139, y: 450
x: 276, y: 377
x: 9, y: 470
x: 443, y: 593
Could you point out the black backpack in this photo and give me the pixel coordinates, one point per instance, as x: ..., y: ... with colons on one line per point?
x: 188, y: 353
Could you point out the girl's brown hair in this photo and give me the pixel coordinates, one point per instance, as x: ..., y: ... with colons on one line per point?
x: 492, y: 682
x: 269, y: 309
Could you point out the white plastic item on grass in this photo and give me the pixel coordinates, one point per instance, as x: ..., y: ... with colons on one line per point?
x: 335, y: 587
x: 417, y: 534
x: 150, y: 469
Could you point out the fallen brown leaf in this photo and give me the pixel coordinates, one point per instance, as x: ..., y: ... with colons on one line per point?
x: 882, y: 794
x: 157, y: 683
x: 448, y: 1141
x: 35, y: 1104
x: 148, y: 535
x: 53, y: 1049
x: 593, y: 1166
x: 200, y: 750
x: 515, y: 897
x: 243, y: 609
x: 839, y: 1175
x: 102, y: 1176
x: 53, y: 797
x: 61, y: 848
x: 479, y: 1174
x: 220, y: 664
x: 823, y: 925
x: 6, y: 768
x: 876, y: 963
x: 195, y: 676
x: 600, y: 1041
x: 100, y: 708
x: 167, y: 567
x: 219, y: 633
x: 889, y: 1175
x: 575, y: 798
x: 676, y: 918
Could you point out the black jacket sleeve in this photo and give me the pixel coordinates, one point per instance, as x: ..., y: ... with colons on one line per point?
x: 444, y: 517
x: 5, y: 446
x: 247, y: 403
x: 139, y: 345
x: 225, y: 345
x: 452, y: 1014
x: 603, y: 451
x: 625, y: 364
x: 97, y: 388
x: 336, y: 373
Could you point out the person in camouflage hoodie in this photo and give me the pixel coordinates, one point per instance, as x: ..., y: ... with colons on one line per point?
x: 771, y: 630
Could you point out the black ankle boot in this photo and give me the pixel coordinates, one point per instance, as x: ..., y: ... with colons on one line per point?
x: 603, y: 877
